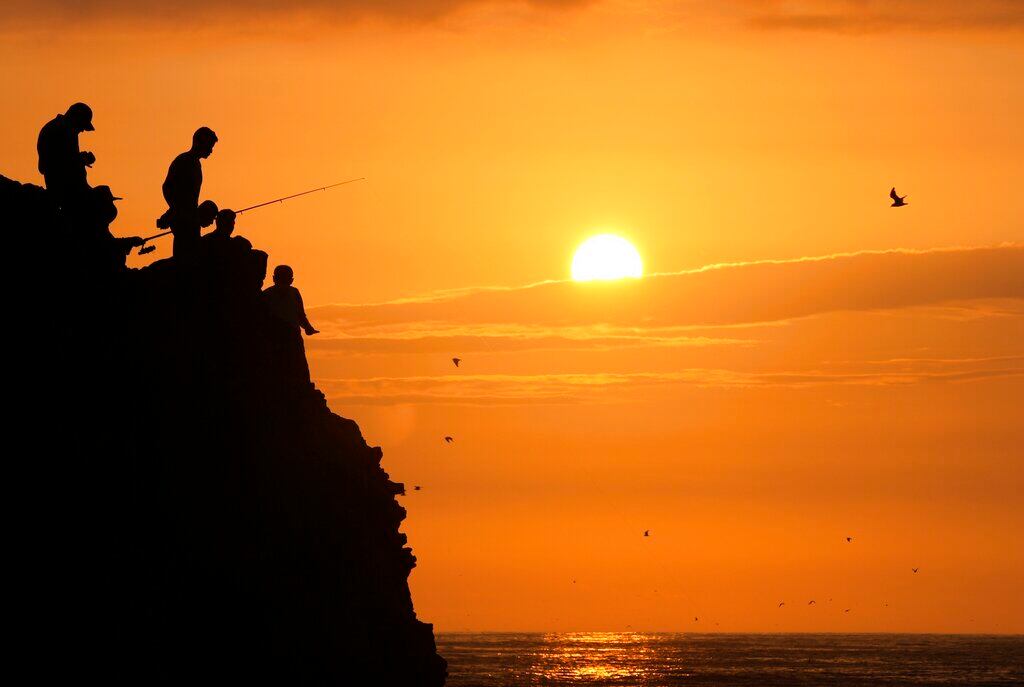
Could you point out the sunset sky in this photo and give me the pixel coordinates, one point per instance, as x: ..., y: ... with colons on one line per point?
x: 800, y: 363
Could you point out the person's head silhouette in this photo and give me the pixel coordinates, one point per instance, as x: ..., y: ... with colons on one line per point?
x: 206, y: 213
x: 102, y: 207
x: 79, y: 116
x: 203, y: 141
x: 225, y: 222
x: 283, y: 275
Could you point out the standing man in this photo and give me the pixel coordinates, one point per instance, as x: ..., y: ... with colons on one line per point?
x: 181, y: 191
x: 61, y: 162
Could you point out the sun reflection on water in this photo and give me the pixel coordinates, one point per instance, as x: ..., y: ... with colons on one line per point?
x: 612, y: 659
x: 593, y: 657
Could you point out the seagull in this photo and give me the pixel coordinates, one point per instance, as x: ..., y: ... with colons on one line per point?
x: 416, y: 488
x: 448, y: 440
x: 846, y: 610
x: 647, y: 533
x: 897, y: 200
x: 456, y: 361
x: 811, y: 602
x: 914, y: 569
x: 849, y: 540
x: 781, y: 604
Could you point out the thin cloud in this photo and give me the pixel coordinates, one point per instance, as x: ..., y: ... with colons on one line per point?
x: 499, y: 343
x: 871, y: 16
x: 557, y: 389
x: 719, y: 295
x: 845, y: 16
x: 191, y: 12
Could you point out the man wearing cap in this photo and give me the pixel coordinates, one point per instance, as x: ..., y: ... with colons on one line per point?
x: 181, y: 191
x: 100, y: 247
x: 61, y: 162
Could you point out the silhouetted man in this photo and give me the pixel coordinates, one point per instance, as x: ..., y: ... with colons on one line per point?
x: 225, y: 224
x: 61, y: 162
x: 101, y: 247
x: 289, y: 316
x: 218, y: 243
x: 206, y: 213
x: 181, y: 191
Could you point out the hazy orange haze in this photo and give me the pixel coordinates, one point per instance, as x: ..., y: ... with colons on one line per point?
x: 802, y: 363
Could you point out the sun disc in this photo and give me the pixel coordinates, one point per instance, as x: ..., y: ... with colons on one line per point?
x: 606, y: 256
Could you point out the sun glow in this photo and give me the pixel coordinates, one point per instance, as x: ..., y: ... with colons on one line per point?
x: 606, y: 256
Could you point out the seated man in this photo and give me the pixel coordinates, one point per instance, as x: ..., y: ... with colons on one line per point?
x: 206, y: 213
x: 288, y: 316
x: 92, y: 223
x: 225, y: 224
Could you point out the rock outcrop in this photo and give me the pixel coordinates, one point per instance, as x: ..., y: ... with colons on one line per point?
x: 195, y: 510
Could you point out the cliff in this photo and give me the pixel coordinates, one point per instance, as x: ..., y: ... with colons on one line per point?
x: 192, y: 509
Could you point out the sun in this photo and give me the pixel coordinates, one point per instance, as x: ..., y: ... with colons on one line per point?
x: 606, y: 256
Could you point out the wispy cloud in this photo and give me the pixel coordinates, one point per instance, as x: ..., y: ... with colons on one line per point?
x: 174, y: 13
x: 507, y: 339
x: 848, y: 16
x: 718, y: 326
x: 605, y: 388
x: 869, y: 16
x: 716, y: 295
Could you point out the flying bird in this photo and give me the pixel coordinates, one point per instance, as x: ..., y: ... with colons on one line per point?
x: 849, y: 540
x: 846, y: 610
x: 416, y: 488
x: 695, y: 618
x: 811, y: 602
x: 647, y: 533
x: 897, y: 200
x: 781, y: 604
x: 914, y: 569
x: 456, y: 361
x: 448, y: 440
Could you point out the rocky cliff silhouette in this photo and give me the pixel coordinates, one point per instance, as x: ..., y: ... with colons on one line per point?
x: 192, y: 512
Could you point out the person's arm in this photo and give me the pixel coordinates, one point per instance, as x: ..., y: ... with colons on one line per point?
x: 127, y: 243
x: 303, y: 320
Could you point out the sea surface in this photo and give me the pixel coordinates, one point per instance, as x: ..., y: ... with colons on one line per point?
x: 667, y: 660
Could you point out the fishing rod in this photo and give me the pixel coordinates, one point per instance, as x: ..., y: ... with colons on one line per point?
x: 149, y: 249
x: 296, y: 195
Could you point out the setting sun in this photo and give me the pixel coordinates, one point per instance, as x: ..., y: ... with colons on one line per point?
x: 606, y: 256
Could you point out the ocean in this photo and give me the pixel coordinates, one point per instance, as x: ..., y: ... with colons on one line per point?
x: 667, y: 660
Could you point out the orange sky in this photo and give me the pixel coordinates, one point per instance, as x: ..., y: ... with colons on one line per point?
x: 752, y: 414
